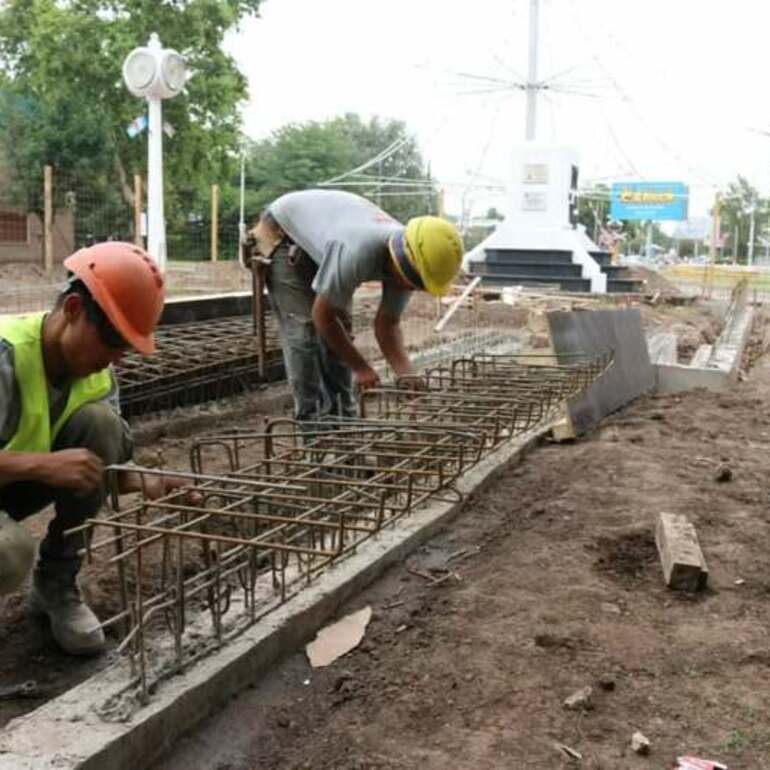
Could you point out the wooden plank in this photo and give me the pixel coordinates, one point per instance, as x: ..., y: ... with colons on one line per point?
x: 48, y: 218
x: 684, y: 566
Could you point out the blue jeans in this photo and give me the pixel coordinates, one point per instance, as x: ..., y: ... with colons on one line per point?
x: 321, y: 384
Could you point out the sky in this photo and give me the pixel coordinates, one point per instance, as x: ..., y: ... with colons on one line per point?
x: 661, y: 90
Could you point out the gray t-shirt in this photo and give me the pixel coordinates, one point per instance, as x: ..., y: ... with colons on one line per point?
x: 347, y: 237
x: 10, y: 400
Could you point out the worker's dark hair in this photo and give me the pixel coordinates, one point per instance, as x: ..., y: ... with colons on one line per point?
x: 268, y: 218
x: 94, y: 312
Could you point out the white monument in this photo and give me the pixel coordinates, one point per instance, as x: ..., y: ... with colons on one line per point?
x: 540, y: 215
x: 541, y: 208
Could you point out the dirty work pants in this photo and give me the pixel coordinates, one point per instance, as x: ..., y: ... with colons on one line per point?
x: 95, y: 427
x: 321, y: 384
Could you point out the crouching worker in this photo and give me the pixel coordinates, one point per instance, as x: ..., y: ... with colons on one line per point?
x: 60, y: 423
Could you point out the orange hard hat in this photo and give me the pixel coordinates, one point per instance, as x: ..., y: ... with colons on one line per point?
x: 127, y: 286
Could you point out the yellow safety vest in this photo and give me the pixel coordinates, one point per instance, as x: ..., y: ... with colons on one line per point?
x: 35, y: 432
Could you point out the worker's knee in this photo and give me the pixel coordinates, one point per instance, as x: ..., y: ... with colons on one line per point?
x: 98, y: 428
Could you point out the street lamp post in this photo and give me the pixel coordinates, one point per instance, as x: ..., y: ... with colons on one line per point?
x: 154, y: 73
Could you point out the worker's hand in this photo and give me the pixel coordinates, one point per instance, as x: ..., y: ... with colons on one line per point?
x: 76, y: 469
x: 156, y: 487
x: 365, y: 378
x: 412, y: 382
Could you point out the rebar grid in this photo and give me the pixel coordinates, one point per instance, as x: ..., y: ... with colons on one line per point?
x: 265, y: 512
x: 199, y: 361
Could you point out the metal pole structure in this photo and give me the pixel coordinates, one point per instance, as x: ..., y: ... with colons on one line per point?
x: 242, y: 217
x: 532, y: 85
x: 735, y: 246
x: 154, y: 73
x: 648, y: 243
x: 138, y: 210
x: 752, y: 224
x: 715, y: 235
x: 156, y: 220
x: 214, y: 222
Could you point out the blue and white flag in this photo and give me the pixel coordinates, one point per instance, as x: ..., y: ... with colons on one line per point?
x: 135, y: 127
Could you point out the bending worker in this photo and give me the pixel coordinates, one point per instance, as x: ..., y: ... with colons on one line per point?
x: 321, y: 245
x: 60, y: 423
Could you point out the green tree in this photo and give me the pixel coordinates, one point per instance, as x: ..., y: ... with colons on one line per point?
x: 593, y: 208
x: 302, y: 156
x: 63, y: 103
x: 739, y: 202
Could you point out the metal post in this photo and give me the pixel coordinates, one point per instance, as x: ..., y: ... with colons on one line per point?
x: 242, y: 219
x: 48, y: 218
x: 138, y: 210
x: 715, y: 233
x: 532, y: 85
x: 156, y: 222
x: 752, y: 224
x: 648, y: 242
x: 214, y: 222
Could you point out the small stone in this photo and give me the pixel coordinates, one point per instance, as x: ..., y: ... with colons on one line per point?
x: 607, y: 682
x: 640, y: 744
x: 580, y: 699
x: 610, y: 608
x: 724, y: 473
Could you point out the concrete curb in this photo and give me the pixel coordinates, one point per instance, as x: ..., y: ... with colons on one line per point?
x: 68, y: 733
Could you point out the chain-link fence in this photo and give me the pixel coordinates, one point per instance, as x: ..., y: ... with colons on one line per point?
x: 49, y: 218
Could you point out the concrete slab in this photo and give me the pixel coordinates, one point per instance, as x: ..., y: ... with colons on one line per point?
x: 595, y: 332
x: 673, y: 378
x: 96, y: 725
x: 702, y: 356
x: 662, y: 348
x: 717, y: 367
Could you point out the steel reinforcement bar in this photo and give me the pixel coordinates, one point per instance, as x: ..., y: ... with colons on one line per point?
x: 261, y: 514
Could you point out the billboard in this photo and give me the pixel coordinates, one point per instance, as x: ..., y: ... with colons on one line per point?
x: 648, y: 200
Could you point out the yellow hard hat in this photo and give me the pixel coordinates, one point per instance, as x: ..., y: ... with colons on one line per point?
x: 428, y: 253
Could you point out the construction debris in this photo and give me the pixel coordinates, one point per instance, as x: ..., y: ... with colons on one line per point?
x: 338, y: 639
x: 28, y: 689
x: 569, y: 752
x: 581, y: 700
x: 684, y: 566
x: 693, y: 763
x: 640, y: 744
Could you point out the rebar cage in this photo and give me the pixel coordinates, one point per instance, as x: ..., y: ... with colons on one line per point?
x: 265, y: 512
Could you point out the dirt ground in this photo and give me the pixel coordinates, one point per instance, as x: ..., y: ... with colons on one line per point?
x: 26, y: 648
x: 557, y: 587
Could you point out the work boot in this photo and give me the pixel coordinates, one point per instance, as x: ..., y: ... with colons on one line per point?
x: 73, y: 624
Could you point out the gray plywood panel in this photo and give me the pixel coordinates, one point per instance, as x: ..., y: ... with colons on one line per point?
x: 598, y: 331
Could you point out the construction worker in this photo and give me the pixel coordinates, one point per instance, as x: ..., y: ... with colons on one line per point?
x: 320, y: 246
x: 60, y: 423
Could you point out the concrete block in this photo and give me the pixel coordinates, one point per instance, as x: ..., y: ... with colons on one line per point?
x: 595, y: 332
x: 673, y: 378
x: 662, y: 348
x: 702, y: 356
x: 684, y: 567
